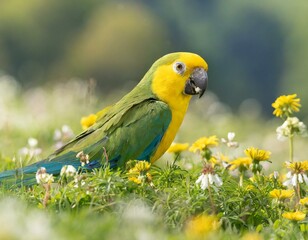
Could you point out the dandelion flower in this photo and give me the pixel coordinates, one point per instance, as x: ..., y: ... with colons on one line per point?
x: 201, y: 226
x: 242, y: 163
x: 141, y: 167
x: 304, y: 201
x: 138, y: 171
x: 257, y: 155
x: 88, y: 121
x: 178, y: 147
x: 281, y: 194
x: 285, y: 105
x: 203, y: 143
x: 295, y: 216
x: 134, y: 179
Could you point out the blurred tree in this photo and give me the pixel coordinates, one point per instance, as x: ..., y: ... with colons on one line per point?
x: 117, y: 46
x: 34, y: 34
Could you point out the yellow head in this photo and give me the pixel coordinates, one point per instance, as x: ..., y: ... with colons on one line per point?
x: 178, y: 76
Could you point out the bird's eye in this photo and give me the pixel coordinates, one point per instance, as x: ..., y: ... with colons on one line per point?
x: 179, y: 67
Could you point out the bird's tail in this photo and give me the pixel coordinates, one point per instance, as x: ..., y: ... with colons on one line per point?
x: 18, y: 176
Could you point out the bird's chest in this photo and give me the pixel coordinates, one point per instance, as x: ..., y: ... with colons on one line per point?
x: 177, y: 119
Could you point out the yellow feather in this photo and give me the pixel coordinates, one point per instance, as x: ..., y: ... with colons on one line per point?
x: 169, y: 87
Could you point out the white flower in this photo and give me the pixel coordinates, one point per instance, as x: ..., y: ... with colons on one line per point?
x: 293, y: 179
x: 68, y: 171
x: 62, y: 136
x: 276, y: 174
x: 42, y: 177
x: 230, y: 143
x: 31, y: 150
x: 84, y: 158
x: 32, y: 142
x: 79, y: 182
x: 207, y: 179
x: 290, y: 126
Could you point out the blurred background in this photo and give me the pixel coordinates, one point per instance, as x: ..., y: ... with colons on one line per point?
x: 256, y: 51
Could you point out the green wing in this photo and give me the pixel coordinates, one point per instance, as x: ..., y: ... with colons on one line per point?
x: 131, y: 134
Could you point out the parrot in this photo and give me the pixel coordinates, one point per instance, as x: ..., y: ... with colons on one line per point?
x: 140, y: 126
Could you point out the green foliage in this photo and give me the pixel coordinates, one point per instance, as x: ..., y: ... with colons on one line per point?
x: 160, y: 202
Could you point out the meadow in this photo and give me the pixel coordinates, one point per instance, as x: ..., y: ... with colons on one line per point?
x: 230, y: 175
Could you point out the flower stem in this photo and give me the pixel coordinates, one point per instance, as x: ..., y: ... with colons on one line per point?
x: 241, y: 179
x: 291, y: 147
x: 211, y: 199
x: 298, y: 191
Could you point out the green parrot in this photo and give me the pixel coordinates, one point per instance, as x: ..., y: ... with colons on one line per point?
x: 140, y: 126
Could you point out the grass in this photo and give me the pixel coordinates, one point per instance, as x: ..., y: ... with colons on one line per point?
x: 160, y: 202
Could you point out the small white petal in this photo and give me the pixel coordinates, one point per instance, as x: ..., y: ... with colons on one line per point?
x: 217, y: 180
x: 276, y: 174
x: 211, y: 180
x: 231, y: 136
x: 289, y: 174
x: 287, y: 183
x: 305, y: 179
x: 300, y: 178
x: 57, y: 135
x: 24, y: 151
x: 200, y: 178
x: 205, y: 182
x: 294, y: 180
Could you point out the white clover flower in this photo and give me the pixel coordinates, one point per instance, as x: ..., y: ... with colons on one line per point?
x: 206, y: 179
x: 290, y: 126
x: 42, y: 177
x: 68, y: 171
x: 229, y: 142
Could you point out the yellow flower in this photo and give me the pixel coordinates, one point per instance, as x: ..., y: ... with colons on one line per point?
x: 178, y: 147
x: 304, y: 201
x: 88, y: 121
x: 295, y: 216
x: 286, y: 105
x: 242, y: 163
x: 203, y: 143
x: 135, y: 179
x: 141, y: 166
x: 281, y: 194
x: 257, y: 154
x: 136, y: 167
x: 201, y: 226
x: 249, y: 188
x: 298, y: 167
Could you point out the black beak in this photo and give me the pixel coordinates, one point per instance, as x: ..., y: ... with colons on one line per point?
x: 197, y: 82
